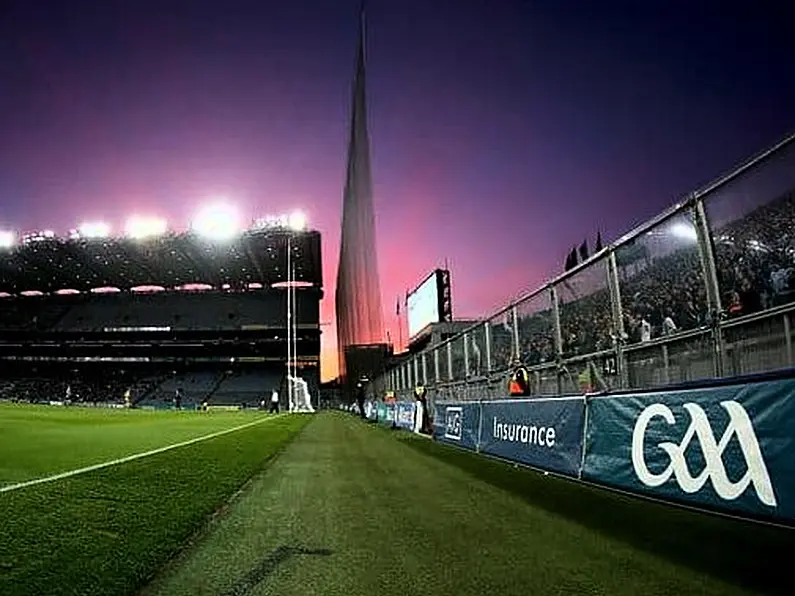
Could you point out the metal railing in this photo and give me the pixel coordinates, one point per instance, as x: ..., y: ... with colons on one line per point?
x: 704, y: 290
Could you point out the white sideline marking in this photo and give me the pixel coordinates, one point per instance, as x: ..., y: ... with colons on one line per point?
x: 128, y: 458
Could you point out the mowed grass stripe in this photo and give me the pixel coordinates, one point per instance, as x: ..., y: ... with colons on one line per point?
x: 129, y: 458
x: 106, y: 532
x: 38, y: 441
x: 354, y: 509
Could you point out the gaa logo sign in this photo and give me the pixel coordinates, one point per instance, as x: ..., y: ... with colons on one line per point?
x: 700, y: 430
x: 452, y: 426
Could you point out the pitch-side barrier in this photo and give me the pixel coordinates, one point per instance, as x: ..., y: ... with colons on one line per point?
x: 728, y: 447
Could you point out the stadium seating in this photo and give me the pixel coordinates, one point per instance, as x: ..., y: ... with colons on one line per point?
x: 184, y: 310
x: 176, y: 310
x: 32, y: 313
x: 196, y: 387
x: 663, y: 289
x: 77, y: 388
x: 248, y: 388
x: 72, y: 326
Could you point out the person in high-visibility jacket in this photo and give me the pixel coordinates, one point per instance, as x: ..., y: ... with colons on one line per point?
x: 519, y: 385
x: 586, y: 380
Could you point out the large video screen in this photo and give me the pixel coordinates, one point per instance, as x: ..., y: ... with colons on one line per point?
x: 423, y: 305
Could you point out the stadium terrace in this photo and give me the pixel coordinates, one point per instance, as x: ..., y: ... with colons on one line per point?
x: 214, y: 254
x: 211, y: 317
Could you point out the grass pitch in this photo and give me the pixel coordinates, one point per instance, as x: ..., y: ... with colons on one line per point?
x: 346, y: 508
x: 354, y: 509
x: 107, y: 531
x: 38, y: 441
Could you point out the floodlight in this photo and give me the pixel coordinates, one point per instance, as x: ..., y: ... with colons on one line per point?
x: 7, y: 239
x: 218, y: 221
x: 94, y: 229
x: 297, y: 221
x: 144, y: 227
x: 684, y: 231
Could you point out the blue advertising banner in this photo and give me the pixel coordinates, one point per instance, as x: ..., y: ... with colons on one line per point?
x: 727, y: 448
x: 545, y: 433
x: 405, y: 415
x: 457, y: 423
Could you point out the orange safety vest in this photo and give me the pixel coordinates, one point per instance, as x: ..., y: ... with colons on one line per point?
x: 519, y: 384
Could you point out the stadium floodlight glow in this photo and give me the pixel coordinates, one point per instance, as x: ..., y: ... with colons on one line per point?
x: 7, y: 239
x: 94, y: 229
x: 684, y: 231
x: 144, y: 227
x: 296, y: 221
x: 218, y: 221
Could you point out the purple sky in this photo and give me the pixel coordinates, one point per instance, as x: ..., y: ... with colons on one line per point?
x: 503, y: 131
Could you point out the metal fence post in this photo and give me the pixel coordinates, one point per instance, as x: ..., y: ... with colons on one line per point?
x: 666, y: 364
x: 487, y: 339
x: 618, y: 319
x: 450, y: 361
x: 467, y: 372
x: 515, y: 330
x: 710, y: 273
x: 558, y: 336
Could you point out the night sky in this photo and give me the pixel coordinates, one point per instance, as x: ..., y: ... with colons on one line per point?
x: 503, y: 131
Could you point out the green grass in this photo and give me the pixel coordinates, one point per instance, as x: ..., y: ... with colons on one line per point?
x: 347, y: 508
x: 350, y: 508
x: 106, y: 532
x: 40, y: 441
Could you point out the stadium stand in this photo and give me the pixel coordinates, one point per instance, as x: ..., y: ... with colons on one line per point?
x: 205, y: 310
x: 705, y: 290
x: 247, y: 387
x: 195, y: 388
x: 175, y: 312
x: 50, y: 264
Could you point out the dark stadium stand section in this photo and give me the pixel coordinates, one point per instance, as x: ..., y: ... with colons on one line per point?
x: 185, y: 311
x: 176, y: 313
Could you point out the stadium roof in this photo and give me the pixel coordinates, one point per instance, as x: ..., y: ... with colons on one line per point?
x: 50, y: 264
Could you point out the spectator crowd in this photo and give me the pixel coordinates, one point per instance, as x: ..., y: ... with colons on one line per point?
x: 662, y: 288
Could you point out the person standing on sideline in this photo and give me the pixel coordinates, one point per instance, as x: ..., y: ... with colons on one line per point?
x: 360, y: 400
x: 274, y: 402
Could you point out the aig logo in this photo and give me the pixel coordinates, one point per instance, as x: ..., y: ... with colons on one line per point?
x: 453, y: 425
x: 699, y: 429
